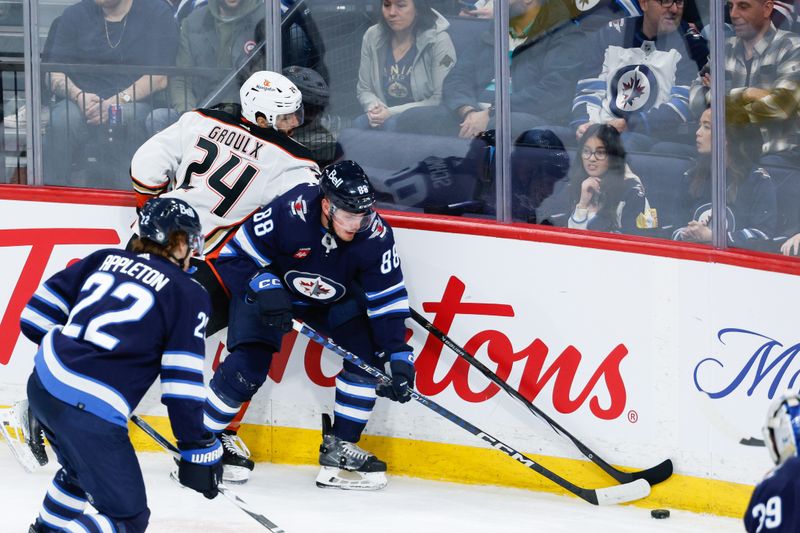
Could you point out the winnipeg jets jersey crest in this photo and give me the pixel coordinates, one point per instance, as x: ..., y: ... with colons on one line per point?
x: 638, y: 80
x: 223, y: 167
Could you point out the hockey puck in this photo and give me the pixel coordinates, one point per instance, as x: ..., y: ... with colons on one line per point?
x: 660, y: 513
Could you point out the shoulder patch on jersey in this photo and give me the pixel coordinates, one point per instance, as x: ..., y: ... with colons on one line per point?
x: 299, y: 208
x: 314, y: 286
x: 378, y: 229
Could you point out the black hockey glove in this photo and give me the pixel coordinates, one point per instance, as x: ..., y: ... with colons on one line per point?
x: 200, y: 467
x: 274, y: 303
x: 402, y: 367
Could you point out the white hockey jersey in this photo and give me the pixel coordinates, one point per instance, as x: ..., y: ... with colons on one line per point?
x: 223, y: 166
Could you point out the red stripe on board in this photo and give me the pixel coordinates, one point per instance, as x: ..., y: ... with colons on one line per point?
x: 466, y: 226
x: 67, y: 195
x: 596, y: 240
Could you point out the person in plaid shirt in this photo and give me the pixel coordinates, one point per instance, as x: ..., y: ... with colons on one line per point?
x: 762, y: 80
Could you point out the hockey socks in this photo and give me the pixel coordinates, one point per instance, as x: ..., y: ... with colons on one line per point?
x: 63, y: 503
x: 355, y: 399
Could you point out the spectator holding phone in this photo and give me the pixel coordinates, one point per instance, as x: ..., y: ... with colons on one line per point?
x: 482, y: 9
x: 404, y: 60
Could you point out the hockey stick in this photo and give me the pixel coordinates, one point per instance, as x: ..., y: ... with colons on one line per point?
x: 653, y: 475
x: 228, y: 493
x: 625, y: 492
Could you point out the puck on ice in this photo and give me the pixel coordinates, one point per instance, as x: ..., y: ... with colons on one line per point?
x: 660, y: 513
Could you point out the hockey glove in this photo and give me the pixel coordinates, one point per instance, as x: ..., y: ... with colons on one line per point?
x: 274, y: 304
x: 200, y: 467
x: 402, y: 367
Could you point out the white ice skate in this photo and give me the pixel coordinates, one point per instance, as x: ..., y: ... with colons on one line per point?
x: 344, y: 465
x: 24, y: 436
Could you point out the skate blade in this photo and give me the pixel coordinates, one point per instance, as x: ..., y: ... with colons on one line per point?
x: 12, y: 429
x: 330, y: 477
x: 236, y: 475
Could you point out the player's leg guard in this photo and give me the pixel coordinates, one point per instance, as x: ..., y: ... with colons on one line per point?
x: 236, y: 381
x: 355, y: 399
x: 64, y: 502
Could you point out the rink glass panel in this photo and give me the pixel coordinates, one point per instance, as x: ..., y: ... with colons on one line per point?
x: 422, y: 165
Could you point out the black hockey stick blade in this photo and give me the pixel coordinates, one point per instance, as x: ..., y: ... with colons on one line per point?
x: 223, y: 489
x: 625, y: 492
x: 652, y: 475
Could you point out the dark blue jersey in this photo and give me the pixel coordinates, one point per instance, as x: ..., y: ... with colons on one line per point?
x: 287, y: 238
x: 110, y: 324
x: 774, y: 506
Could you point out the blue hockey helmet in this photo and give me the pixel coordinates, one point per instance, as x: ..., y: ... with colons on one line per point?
x: 782, y: 428
x: 161, y: 216
x: 351, y: 195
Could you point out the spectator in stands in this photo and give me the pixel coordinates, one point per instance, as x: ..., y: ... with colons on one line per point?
x: 313, y: 133
x: 104, y: 32
x: 404, y: 60
x: 222, y: 35
x: 643, y: 68
x: 762, y: 80
x: 546, y: 54
x: 214, y: 35
x: 752, y: 203
x: 602, y: 193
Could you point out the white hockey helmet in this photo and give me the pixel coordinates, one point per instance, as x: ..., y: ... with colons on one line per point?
x: 782, y: 428
x: 272, y: 95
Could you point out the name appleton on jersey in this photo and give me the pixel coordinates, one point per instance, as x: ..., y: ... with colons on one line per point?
x: 236, y: 140
x: 135, y: 269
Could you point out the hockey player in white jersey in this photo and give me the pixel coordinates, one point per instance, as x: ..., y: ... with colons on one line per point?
x: 228, y: 162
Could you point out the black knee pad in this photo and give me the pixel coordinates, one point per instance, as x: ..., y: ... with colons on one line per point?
x: 243, y: 371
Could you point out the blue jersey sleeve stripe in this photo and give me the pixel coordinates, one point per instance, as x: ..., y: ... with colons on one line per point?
x: 386, y: 292
x: 242, y: 238
x: 73, y: 388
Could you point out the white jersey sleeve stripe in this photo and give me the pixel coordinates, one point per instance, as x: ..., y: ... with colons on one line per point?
x: 183, y: 389
x: 243, y: 240
x: 52, y: 298
x: 182, y: 361
x: 392, y: 307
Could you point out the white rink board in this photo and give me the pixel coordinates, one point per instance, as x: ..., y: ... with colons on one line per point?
x: 655, y: 311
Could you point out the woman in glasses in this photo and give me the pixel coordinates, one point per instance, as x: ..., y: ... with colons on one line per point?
x: 604, y: 195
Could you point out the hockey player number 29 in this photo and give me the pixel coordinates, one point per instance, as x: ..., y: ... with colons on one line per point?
x: 217, y: 181
x: 99, y: 284
x: 768, y: 515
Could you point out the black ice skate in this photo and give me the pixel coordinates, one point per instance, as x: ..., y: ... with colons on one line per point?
x: 344, y: 465
x: 23, y: 434
x: 236, y: 462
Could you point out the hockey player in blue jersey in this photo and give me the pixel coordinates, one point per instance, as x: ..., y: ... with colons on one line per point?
x: 107, y: 327
x: 319, y: 253
x: 775, y: 504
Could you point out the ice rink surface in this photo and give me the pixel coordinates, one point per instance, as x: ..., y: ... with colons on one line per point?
x: 287, y: 496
